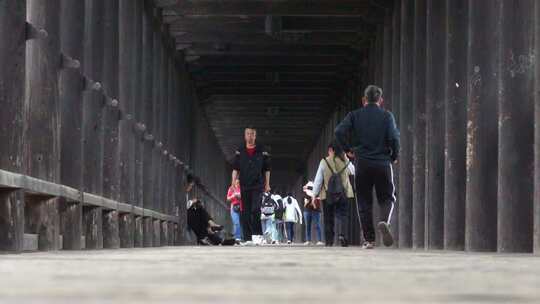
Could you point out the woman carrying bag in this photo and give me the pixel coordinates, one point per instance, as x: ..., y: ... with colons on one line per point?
x: 234, y: 197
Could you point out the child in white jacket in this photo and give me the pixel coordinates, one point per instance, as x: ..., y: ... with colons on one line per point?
x: 292, y: 215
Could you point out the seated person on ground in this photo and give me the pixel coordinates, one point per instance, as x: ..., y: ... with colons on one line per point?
x: 201, y: 223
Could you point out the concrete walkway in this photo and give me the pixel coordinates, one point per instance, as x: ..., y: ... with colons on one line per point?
x: 268, y: 275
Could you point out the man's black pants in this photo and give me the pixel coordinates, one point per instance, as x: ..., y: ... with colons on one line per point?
x: 368, y: 176
x: 336, y: 220
x: 250, y: 218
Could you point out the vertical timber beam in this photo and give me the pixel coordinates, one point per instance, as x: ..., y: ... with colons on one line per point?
x: 93, y: 226
x: 516, y: 130
x: 405, y: 125
x: 12, y: 79
x: 42, y: 63
x: 456, y: 125
x: 419, y: 125
x: 93, y: 100
x: 71, y: 224
x: 111, y: 114
x: 42, y: 218
x: 482, y: 139
x: 396, y: 67
x: 127, y: 230
x: 435, y: 85
x: 537, y: 133
x: 111, y: 230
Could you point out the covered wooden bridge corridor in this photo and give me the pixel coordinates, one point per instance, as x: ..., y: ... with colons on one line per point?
x: 106, y: 106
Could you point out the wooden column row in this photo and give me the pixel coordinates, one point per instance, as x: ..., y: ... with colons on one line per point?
x: 474, y: 95
x: 65, y: 73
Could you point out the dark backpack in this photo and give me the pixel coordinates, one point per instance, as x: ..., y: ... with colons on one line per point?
x: 335, y: 191
x: 268, y: 206
x: 280, y: 209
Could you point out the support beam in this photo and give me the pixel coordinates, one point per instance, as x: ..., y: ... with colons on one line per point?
x: 537, y: 133
x: 93, y: 100
x: 93, y: 227
x: 11, y: 220
x: 12, y: 78
x: 71, y: 224
x: 456, y: 125
x: 42, y: 62
x: 419, y: 125
x: 138, y: 110
x: 127, y: 230
x: 42, y: 218
x: 138, y: 237
x: 111, y: 229
x: 148, y: 232
x: 405, y: 125
x: 111, y: 114
x: 516, y: 130
x: 483, y: 79
x: 157, y: 232
x: 435, y: 105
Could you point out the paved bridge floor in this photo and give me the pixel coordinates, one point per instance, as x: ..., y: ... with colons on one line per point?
x: 268, y: 275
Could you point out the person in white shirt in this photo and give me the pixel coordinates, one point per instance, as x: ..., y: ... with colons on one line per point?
x: 292, y: 215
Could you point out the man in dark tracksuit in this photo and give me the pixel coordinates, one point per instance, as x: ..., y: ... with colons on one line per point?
x: 375, y: 139
x: 252, y: 166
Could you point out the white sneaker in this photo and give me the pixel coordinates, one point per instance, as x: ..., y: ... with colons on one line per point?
x: 289, y: 242
x: 307, y: 243
x: 319, y: 243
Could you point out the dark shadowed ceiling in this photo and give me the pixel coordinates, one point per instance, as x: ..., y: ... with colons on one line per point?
x: 278, y: 65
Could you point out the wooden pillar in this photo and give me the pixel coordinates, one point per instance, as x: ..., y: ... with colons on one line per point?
x: 42, y: 63
x: 42, y: 218
x: 537, y: 134
x: 125, y: 84
x: 11, y: 220
x: 396, y: 67
x: 456, y: 125
x: 138, y: 106
x: 157, y: 232
x: 139, y: 232
x: 435, y: 86
x: 405, y: 125
x: 127, y: 230
x: 157, y: 92
x: 111, y: 229
x: 419, y: 124
x: 516, y: 130
x: 111, y: 114
x: 164, y: 233
x: 148, y: 232
x: 12, y: 79
x: 484, y: 50
x: 93, y: 98
x: 71, y: 224
x: 148, y: 104
x: 93, y: 227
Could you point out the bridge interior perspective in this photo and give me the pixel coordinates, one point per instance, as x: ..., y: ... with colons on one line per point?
x: 108, y: 107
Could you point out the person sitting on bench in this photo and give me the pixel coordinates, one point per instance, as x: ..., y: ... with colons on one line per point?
x: 201, y: 223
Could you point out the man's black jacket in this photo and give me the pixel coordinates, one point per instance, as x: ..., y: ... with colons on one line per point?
x: 375, y: 136
x: 252, y: 169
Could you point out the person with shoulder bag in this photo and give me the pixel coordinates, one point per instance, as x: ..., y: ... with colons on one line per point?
x: 332, y: 185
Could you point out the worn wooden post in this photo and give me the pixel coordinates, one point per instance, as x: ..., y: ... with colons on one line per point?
x: 125, y: 83
x: 164, y: 233
x: 516, y: 130
x: 71, y: 224
x: 138, y: 108
x: 111, y: 229
x: 395, y: 106
x: 12, y: 75
x: 405, y: 125
x: 138, y: 236
x: 456, y: 125
x: 419, y: 125
x: 148, y: 101
x: 537, y: 134
x: 483, y: 81
x: 157, y: 92
x: 42, y: 63
x: 111, y: 112
x: 42, y: 218
x: 435, y: 85
x: 127, y: 230
x: 157, y: 232
x: 148, y: 232
x: 93, y: 99
x: 93, y: 227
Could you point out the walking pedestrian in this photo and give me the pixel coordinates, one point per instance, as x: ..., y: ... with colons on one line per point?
x: 252, y: 167
x: 312, y: 214
x: 234, y: 197
x: 332, y: 185
x: 292, y: 216
x: 376, y: 139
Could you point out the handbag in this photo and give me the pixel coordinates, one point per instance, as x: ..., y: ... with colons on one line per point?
x: 236, y: 208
